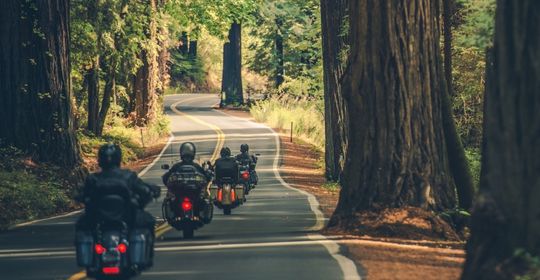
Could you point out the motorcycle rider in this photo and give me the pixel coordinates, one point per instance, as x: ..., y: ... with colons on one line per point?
x: 226, y: 166
x: 109, y: 160
x: 245, y: 158
x: 187, y: 156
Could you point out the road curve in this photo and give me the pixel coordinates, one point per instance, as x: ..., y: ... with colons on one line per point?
x: 272, y: 236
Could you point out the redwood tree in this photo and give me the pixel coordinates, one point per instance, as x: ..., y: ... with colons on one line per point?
x: 232, y: 66
x: 393, y: 92
x: 506, y: 216
x: 35, y: 108
x: 335, y: 43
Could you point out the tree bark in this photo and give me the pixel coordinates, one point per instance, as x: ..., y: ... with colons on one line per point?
x: 146, y: 78
x: 335, y: 44
x: 232, y: 67
x: 393, y: 91
x: 92, y: 75
x: 278, y: 42
x: 35, y: 112
x: 505, y: 218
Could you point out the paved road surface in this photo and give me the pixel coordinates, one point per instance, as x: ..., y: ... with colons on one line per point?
x: 272, y: 236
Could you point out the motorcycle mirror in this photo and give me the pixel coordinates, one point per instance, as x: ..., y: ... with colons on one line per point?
x: 258, y: 155
x: 165, y: 167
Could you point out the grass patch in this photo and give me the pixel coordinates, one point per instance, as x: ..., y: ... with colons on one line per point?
x: 332, y: 187
x: 307, y: 118
x: 29, y: 191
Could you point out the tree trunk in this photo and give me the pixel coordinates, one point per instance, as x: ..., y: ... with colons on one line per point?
x: 92, y: 78
x: 184, y: 47
x: 146, y: 78
x: 92, y: 75
x: 456, y: 154
x: 505, y: 218
x: 393, y: 90
x: 278, y: 42
x: 108, y: 93
x: 232, y: 67
x: 335, y: 44
x: 193, y: 49
x: 35, y: 111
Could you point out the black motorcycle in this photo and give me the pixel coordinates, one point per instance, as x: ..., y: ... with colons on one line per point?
x: 186, y: 207
x: 112, y: 250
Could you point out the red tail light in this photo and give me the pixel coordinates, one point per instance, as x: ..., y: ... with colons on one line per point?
x: 122, y: 248
x: 245, y: 175
x: 220, y: 195
x: 233, y: 195
x: 99, y: 249
x: 113, y: 270
x: 187, y: 205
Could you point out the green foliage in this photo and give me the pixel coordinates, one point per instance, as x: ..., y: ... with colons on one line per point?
x: 186, y: 69
x: 478, y: 20
x: 474, y: 156
x: 28, y: 191
x: 532, y: 264
x: 298, y: 24
x: 306, y: 116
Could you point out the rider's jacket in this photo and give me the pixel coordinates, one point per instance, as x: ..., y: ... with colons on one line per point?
x: 247, y: 159
x: 140, y: 192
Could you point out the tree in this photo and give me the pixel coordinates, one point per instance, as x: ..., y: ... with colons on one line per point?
x: 335, y: 43
x: 505, y: 230
x: 232, y: 66
x: 393, y: 90
x: 35, y: 112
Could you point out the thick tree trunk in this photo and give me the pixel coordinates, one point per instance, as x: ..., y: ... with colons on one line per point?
x: 147, y: 77
x: 448, y: 13
x: 108, y: 93
x: 232, y: 67
x: 393, y: 91
x: 505, y: 218
x: 333, y: 14
x: 35, y: 111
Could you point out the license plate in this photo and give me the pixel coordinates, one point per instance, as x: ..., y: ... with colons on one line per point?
x: 111, y: 256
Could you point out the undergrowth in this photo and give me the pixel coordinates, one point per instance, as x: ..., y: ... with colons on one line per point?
x: 307, y: 117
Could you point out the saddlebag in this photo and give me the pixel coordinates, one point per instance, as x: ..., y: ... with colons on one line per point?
x: 84, y: 242
x: 140, y: 249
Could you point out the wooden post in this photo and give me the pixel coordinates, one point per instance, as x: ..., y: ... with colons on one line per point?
x: 291, y: 131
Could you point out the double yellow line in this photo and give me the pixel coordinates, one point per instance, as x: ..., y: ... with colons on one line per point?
x: 163, y: 228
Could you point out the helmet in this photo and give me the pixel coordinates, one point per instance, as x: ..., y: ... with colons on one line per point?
x: 109, y: 156
x: 244, y: 148
x: 188, y: 151
x: 225, y: 152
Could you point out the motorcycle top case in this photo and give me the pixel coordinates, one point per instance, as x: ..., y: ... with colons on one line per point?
x: 84, y: 243
x: 187, y: 178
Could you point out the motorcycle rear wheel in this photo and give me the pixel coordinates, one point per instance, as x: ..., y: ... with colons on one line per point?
x: 188, y: 233
x: 227, y: 211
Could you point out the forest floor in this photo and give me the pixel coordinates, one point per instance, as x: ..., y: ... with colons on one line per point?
x: 409, y: 244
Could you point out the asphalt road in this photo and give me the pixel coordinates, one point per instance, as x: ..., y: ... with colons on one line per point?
x: 272, y: 236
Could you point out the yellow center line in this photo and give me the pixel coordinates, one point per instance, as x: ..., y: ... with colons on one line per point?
x: 162, y: 229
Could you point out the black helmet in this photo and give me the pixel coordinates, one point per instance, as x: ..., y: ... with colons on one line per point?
x: 188, y: 151
x: 244, y: 148
x: 225, y: 152
x: 109, y: 156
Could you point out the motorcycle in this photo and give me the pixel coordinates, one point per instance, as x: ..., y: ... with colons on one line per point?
x: 113, y: 250
x: 185, y: 208
x: 228, y: 195
x: 248, y: 175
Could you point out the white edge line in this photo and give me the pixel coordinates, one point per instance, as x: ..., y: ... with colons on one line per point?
x: 348, y: 267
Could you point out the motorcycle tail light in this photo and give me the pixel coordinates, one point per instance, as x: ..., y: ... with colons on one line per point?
x: 99, y: 249
x: 220, y: 195
x: 122, y: 248
x: 113, y: 270
x: 245, y: 175
x: 187, y: 205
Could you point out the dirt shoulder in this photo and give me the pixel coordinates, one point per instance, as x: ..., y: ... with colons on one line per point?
x: 381, y: 257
